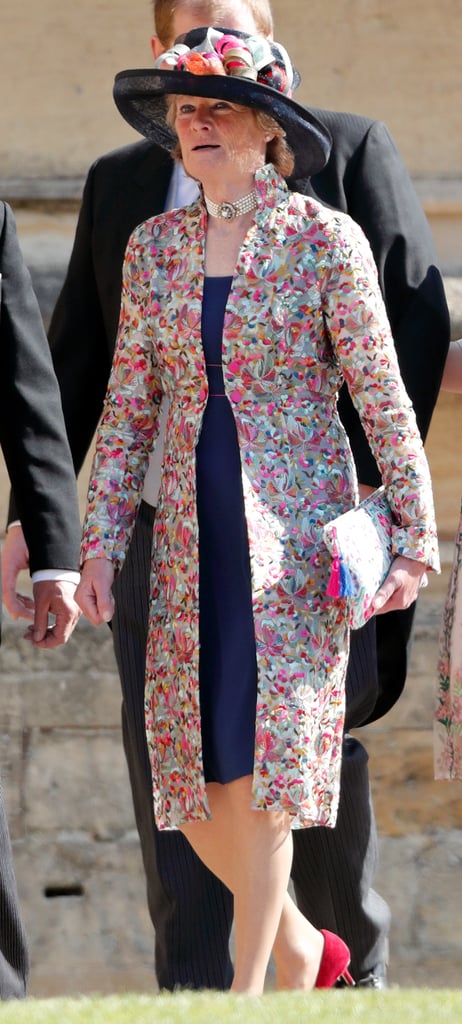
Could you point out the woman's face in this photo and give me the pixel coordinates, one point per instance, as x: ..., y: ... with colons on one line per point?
x: 216, y: 135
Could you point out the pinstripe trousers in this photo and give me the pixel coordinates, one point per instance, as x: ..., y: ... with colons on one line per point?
x: 333, y: 869
x: 14, y: 959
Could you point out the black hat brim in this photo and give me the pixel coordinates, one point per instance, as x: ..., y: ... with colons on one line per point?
x: 141, y: 97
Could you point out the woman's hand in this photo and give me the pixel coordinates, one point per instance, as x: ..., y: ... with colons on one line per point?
x: 401, y: 587
x: 94, y: 592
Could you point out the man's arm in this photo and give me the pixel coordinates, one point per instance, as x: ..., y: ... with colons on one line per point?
x: 33, y: 439
x: 32, y: 431
x: 81, y: 350
x: 82, y: 360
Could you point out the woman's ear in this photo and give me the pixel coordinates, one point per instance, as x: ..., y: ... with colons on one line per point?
x: 156, y: 47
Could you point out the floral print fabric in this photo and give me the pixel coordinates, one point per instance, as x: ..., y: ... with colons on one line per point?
x: 304, y: 312
x: 448, y: 712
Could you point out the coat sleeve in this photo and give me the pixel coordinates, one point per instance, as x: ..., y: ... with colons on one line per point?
x: 380, y: 197
x: 358, y: 327
x: 32, y: 430
x: 129, y: 423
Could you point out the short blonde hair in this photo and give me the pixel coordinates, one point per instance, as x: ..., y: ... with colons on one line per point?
x: 278, y: 152
x: 213, y: 12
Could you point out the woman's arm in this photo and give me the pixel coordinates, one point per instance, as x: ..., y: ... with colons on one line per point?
x: 361, y: 337
x: 130, y: 420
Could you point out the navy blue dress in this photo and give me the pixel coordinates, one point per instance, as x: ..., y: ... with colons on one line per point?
x: 227, y: 662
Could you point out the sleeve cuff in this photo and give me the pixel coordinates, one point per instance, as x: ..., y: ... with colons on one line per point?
x: 56, y: 575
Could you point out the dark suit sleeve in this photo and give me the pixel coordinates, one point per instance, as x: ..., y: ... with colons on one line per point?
x: 381, y: 198
x: 32, y: 431
x: 77, y: 337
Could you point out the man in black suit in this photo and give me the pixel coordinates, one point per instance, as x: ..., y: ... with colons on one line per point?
x: 39, y: 463
x: 333, y: 869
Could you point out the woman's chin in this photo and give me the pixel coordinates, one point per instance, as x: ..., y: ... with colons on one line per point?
x: 200, y: 160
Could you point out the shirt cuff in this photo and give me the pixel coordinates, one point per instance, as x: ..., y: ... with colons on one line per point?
x: 56, y: 575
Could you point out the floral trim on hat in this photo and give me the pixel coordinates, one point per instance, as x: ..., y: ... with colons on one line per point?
x: 254, y: 58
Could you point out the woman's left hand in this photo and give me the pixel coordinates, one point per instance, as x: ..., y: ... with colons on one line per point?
x: 401, y: 587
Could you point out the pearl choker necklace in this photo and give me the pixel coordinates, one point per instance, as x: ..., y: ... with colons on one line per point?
x: 227, y: 211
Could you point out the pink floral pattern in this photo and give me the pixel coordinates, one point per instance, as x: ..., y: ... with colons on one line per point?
x: 448, y: 711
x: 222, y: 54
x: 304, y: 311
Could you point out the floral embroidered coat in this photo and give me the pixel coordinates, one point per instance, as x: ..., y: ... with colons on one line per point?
x: 304, y: 311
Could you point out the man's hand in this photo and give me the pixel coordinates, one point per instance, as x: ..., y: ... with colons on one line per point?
x: 401, y: 587
x: 53, y: 598
x: 94, y: 592
x: 15, y: 558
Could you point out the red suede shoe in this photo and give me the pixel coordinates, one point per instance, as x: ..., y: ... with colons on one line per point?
x: 334, y: 962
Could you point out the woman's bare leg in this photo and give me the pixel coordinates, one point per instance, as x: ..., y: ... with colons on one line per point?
x: 251, y: 852
x: 297, y: 949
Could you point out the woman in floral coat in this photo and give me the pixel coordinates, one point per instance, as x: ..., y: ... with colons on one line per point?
x: 448, y: 712
x: 245, y: 311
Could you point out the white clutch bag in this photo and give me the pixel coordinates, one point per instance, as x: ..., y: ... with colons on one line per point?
x: 360, y: 542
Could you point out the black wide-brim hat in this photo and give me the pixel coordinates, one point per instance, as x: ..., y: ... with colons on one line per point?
x: 141, y: 95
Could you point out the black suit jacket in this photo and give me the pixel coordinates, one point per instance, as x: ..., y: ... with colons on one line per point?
x: 32, y: 429
x: 364, y: 177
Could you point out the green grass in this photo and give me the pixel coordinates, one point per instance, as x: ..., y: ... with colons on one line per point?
x: 397, y: 1006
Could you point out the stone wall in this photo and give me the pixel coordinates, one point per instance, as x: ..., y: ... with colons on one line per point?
x: 419, y: 819
x: 76, y: 849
